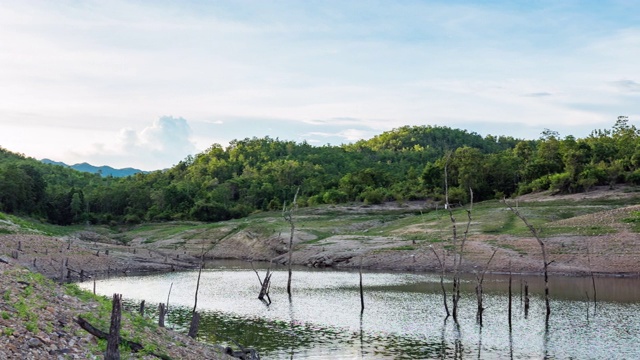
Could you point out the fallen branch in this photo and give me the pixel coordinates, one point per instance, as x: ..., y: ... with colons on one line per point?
x: 134, y: 346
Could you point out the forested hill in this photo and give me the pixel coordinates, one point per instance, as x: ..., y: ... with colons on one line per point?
x: 254, y: 174
x: 102, y: 170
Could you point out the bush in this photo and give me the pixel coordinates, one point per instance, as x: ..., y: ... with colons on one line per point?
x: 314, y: 200
x: 634, y: 177
x: 560, y: 182
x: 373, y: 196
x: 212, y: 211
x: 334, y: 196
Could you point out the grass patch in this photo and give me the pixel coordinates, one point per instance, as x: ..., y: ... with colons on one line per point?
x: 403, y: 247
x: 634, y: 221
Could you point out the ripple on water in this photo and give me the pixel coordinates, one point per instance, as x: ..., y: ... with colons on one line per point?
x: 403, y: 319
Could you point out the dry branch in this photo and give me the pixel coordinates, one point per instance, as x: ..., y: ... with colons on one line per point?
x: 546, y: 263
x: 288, y: 216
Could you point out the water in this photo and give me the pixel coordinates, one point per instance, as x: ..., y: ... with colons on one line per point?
x: 404, y: 316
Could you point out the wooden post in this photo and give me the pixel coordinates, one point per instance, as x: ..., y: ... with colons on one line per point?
x: 195, y: 324
x: 141, y: 310
x: 161, y: 313
x: 113, y: 342
x: 94, y: 286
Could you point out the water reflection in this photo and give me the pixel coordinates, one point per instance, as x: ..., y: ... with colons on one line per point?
x: 404, y: 318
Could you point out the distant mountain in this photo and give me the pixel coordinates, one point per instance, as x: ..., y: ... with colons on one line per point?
x: 103, y: 170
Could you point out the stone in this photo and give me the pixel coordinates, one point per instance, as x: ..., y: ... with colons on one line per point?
x: 34, y: 342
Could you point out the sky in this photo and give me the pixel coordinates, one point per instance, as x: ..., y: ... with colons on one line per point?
x: 144, y: 84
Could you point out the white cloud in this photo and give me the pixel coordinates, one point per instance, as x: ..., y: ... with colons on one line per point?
x: 164, y: 143
x: 100, y: 70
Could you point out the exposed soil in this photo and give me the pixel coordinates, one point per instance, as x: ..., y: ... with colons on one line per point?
x: 615, y: 254
x: 92, y: 254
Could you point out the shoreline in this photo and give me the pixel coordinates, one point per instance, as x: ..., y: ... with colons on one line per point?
x: 92, y: 259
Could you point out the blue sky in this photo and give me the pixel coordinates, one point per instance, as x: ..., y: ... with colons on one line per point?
x: 146, y: 83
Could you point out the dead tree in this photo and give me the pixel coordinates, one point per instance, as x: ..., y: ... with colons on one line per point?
x: 264, y: 285
x: 195, y: 300
x: 510, y: 296
x: 169, y: 295
x: 479, y: 291
x: 134, y: 346
x: 195, y: 325
x: 361, y: 291
x: 287, y: 213
x: 442, y: 267
x: 593, y: 281
x: 526, y: 299
x: 162, y: 311
x: 457, y: 259
x: 113, y: 341
x: 545, y: 263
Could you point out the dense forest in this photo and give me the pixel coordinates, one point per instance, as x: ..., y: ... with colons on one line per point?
x: 257, y: 174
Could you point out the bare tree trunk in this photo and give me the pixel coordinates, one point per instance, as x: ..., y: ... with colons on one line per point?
x: 444, y: 291
x: 510, y: 295
x: 288, y: 216
x: 161, y: 313
x: 169, y: 295
x: 113, y: 342
x: 264, y: 285
x: 544, y: 257
x: 457, y: 260
x: 526, y: 299
x: 195, y: 325
x: 361, y: 292
x: 195, y: 301
x: 479, y: 290
x: 446, y: 181
x: 593, y: 281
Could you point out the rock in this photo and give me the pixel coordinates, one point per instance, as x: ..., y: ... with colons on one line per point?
x: 34, y: 342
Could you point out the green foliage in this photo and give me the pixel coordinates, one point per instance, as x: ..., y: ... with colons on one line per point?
x: 257, y: 174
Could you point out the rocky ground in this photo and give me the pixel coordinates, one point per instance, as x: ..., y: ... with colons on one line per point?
x: 37, y: 322
x: 47, y: 330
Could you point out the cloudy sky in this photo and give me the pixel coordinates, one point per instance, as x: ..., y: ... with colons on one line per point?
x: 146, y: 83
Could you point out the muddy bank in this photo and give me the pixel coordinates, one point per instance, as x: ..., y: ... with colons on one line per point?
x: 86, y: 255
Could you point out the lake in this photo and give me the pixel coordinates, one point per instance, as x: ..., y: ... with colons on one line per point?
x: 404, y: 317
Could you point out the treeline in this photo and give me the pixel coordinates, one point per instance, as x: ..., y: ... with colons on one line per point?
x: 262, y: 173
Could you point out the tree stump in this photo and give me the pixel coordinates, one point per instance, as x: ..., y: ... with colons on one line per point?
x: 113, y: 342
x: 195, y: 325
x: 161, y: 313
